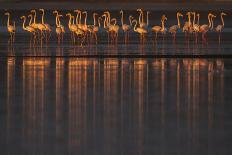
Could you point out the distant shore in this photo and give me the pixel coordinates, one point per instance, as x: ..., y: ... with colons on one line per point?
x: 225, y: 6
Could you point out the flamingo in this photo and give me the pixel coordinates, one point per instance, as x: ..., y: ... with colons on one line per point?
x: 141, y: 18
x: 29, y: 28
x: 60, y: 30
x: 115, y: 28
x: 196, y: 27
x: 220, y: 26
x: 173, y: 29
x: 10, y: 28
x: 161, y: 29
x: 38, y: 26
x: 125, y: 28
x: 48, y: 28
x: 139, y: 30
x: 205, y: 27
x: 188, y: 25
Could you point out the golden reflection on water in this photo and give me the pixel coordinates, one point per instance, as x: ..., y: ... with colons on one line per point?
x: 106, y: 93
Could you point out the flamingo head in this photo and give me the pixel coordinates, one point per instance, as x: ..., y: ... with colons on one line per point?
x: 179, y: 14
x: 33, y: 11
x: 121, y: 11
x: 131, y: 17
x: 140, y: 10
x: 30, y: 16
x: 223, y: 13
x: 68, y: 14
x: 77, y: 11
x: 107, y: 12
x: 164, y: 17
x: 188, y: 13
x: 22, y: 17
x: 55, y: 12
x: 42, y: 10
x: 7, y: 13
x: 84, y: 12
x: 60, y: 15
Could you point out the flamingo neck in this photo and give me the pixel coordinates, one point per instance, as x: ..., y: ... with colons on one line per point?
x: 109, y: 18
x: 80, y: 18
x: 8, y: 20
x: 57, y: 20
x: 35, y: 18
x: 209, y: 20
x: 122, y: 18
x: 94, y: 19
x: 140, y: 17
x: 162, y: 21
x: 194, y: 18
x: 99, y: 22
x: 147, y: 18
x: 86, y: 15
x: 77, y: 18
x: 189, y: 19
x: 211, y: 23
x: 222, y: 20
x: 24, y: 21
x: 130, y: 21
x: 30, y: 22
x: 135, y: 25
x: 69, y: 22
x: 198, y: 19
x: 42, y: 17
x: 105, y: 22
x: 178, y: 20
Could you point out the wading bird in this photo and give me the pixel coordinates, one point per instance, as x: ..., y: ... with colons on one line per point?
x: 173, y: 29
x: 220, y: 27
x: 139, y: 30
x: 126, y: 28
x: 48, y: 28
x: 161, y: 28
x: 38, y: 26
x: 29, y: 28
x: 205, y: 27
x: 10, y: 28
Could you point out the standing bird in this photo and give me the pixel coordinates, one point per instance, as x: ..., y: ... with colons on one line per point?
x: 161, y: 28
x: 220, y: 27
x: 187, y: 28
x: 10, y: 28
x: 173, y: 29
x: 29, y: 28
x: 139, y: 30
x: 125, y: 27
x: 141, y: 18
x: 60, y: 30
x: 48, y: 28
x: 38, y: 26
x: 196, y: 27
x: 205, y: 27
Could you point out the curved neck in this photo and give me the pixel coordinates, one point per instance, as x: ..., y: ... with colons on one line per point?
x: 69, y: 22
x: 24, y: 21
x: 35, y: 18
x: 109, y: 19
x: 135, y: 25
x: 142, y: 17
x: 178, y: 20
x: 30, y: 22
x: 198, y: 19
x: 122, y: 17
x: 222, y: 20
x: 105, y: 22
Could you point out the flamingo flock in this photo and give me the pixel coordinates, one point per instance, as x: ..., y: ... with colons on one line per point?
x: 83, y: 33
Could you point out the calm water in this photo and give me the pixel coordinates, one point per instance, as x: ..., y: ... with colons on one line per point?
x: 115, y: 106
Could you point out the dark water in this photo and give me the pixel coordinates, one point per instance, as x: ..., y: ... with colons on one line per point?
x: 115, y: 106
